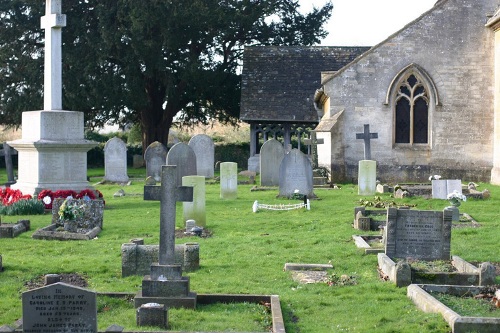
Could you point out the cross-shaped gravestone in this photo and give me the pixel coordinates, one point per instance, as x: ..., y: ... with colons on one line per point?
x: 367, y: 136
x: 7, y: 152
x: 168, y: 195
x: 53, y: 22
x: 313, y: 142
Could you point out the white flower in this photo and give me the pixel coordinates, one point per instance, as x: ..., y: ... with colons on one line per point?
x: 435, y: 177
x: 69, y: 197
x: 47, y: 200
x: 296, y: 191
x: 456, y: 195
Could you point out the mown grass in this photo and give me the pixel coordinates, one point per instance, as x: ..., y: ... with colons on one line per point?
x: 246, y: 255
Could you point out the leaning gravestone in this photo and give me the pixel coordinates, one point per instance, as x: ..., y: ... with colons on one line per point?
x: 418, y: 234
x: 228, y: 180
x: 155, y: 156
x: 183, y: 156
x: 296, y: 175
x: 59, y: 308
x: 115, y: 161
x: 271, y: 155
x: 204, y: 149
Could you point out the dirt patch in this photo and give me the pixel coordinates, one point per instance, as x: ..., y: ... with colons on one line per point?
x: 73, y: 279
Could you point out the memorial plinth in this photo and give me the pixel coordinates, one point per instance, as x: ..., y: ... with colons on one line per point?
x: 52, y: 152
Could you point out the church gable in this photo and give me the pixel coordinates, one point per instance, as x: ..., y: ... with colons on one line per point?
x: 427, y: 91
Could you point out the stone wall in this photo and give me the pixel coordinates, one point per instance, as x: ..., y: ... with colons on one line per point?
x: 453, y: 46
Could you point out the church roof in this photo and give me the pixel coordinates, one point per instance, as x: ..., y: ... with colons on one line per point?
x: 279, y: 82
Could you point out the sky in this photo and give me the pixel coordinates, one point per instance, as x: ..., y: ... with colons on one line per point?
x: 367, y: 22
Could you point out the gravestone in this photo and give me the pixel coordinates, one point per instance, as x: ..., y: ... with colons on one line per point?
x: 7, y: 153
x: 418, y: 234
x: 228, y: 180
x: 184, y: 157
x: 155, y: 156
x: 93, y: 214
x: 442, y: 187
x: 166, y: 285
x: 367, y: 169
x: 204, y: 149
x: 59, y: 307
x: 271, y: 155
x: 115, y: 161
x: 296, y: 175
x: 195, y: 210
x: 313, y: 143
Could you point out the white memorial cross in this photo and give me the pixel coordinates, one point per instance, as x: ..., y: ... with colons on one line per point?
x: 53, y: 22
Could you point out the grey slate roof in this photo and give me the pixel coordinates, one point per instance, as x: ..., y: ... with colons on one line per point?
x: 279, y: 82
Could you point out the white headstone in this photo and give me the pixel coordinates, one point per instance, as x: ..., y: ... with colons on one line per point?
x: 296, y: 175
x: 115, y: 161
x: 271, y: 155
x: 442, y: 187
x: 228, y: 180
x: 195, y: 210
x: 155, y: 156
x: 204, y: 149
x: 367, y: 177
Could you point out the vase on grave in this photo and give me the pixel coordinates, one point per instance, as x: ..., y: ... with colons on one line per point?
x: 455, y: 212
x: 70, y: 225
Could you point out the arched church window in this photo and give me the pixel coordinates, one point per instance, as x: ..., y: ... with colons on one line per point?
x: 412, y: 112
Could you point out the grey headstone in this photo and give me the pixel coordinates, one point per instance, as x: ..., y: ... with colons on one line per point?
x: 442, y: 187
x: 204, y: 149
x: 155, y: 156
x: 296, y: 174
x: 418, y: 234
x: 92, y: 217
x: 367, y: 136
x: 61, y: 308
x: 271, y: 155
x: 183, y: 156
x: 115, y: 161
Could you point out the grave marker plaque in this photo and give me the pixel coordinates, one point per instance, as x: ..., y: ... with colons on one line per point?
x: 59, y: 308
x: 415, y: 234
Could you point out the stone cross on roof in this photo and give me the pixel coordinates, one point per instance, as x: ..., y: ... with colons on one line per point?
x: 169, y: 194
x: 53, y: 22
x: 367, y: 136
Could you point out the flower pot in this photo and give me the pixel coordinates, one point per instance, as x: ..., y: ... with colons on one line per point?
x: 70, y: 225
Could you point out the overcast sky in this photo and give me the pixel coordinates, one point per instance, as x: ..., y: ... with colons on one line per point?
x: 367, y: 22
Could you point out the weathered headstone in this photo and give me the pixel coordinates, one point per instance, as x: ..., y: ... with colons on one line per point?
x: 60, y: 308
x: 93, y: 214
x: 442, y: 187
x: 195, y: 210
x: 417, y: 234
x: 296, y: 175
x: 204, y: 149
x: 155, y: 156
x: 7, y: 152
x: 313, y: 143
x: 184, y: 157
x: 271, y: 155
x: 228, y: 180
x: 115, y: 161
x: 366, y: 136
x: 166, y: 285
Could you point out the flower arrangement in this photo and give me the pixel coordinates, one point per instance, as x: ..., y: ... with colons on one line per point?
x: 434, y: 177
x: 71, y: 209
x: 47, y: 196
x: 9, y: 196
x: 455, y: 197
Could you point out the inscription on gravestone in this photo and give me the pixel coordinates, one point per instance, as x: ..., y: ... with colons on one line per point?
x: 416, y: 234
x: 59, y: 308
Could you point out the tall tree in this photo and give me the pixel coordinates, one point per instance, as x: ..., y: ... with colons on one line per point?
x: 149, y: 62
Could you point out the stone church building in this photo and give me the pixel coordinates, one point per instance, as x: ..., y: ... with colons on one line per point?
x: 431, y: 91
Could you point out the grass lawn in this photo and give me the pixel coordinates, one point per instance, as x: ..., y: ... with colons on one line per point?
x: 246, y: 255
